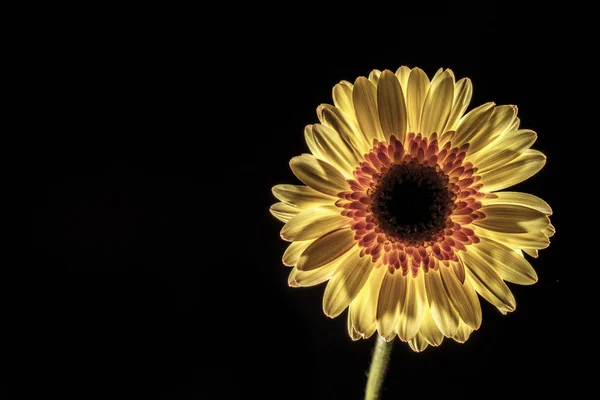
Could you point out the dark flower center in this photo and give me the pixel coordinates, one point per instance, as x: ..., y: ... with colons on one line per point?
x: 412, y: 203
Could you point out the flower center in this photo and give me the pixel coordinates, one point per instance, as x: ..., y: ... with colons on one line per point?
x: 412, y: 202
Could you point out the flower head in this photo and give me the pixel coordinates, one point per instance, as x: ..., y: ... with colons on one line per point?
x: 402, y: 211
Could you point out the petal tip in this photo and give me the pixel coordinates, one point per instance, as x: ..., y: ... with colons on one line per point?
x: 360, y: 80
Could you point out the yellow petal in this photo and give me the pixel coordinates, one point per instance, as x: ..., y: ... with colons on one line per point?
x: 437, y: 74
x: 437, y: 105
x: 515, y: 124
x: 508, y: 147
x: 418, y: 85
x: 403, y: 73
x: 312, y: 223
x: 487, y: 282
x: 393, y: 290
x: 463, y: 332
x: 463, y: 91
x: 374, y: 76
x: 316, y: 276
x: 516, y: 171
x: 549, y: 231
x: 531, y: 252
x: 347, y: 128
x: 391, y: 106
x: 302, y: 197
x: 342, y: 97
x: 364, y: 96
x: 519, y: 199
x: 511, y: 218
x: 412, y: 308
x: 418, y: 343
x: 318, y: 174
x: 370, y: 332
x: 442, y: 311
x: 351, y: 331
x: 364, y: 306
x: 335, y: 150
x: 346, y: 283
x: 463, y: 297
x: 429, y: 329
x: 284, y: 212
x: 472, y: 123
x: 326, y: 249
x: 459, y: 271
x: 507, y: 263
x: 501, y: 118
x: 293, y: 251
x: 309, y: 138
x: 292, y: 278
x: 530, y: 240
x: 448, y: 70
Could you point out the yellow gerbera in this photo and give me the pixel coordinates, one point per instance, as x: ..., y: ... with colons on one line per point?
x: 401, y: 211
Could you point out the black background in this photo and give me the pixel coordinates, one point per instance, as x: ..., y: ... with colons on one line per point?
x: 153, y: 141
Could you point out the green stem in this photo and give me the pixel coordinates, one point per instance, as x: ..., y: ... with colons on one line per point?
x: 381, y: 357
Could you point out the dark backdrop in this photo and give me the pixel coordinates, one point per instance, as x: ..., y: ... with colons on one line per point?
x: 151, y: 151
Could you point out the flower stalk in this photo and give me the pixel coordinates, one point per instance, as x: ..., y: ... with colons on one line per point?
x: 379, y: 363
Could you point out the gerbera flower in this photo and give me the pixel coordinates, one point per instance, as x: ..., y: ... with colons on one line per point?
x: 402, y: 210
